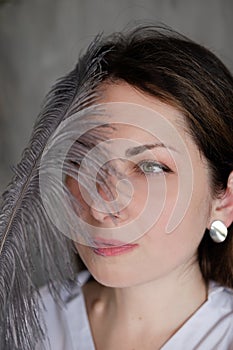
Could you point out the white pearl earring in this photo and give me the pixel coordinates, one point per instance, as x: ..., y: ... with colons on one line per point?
x: 218, y: 231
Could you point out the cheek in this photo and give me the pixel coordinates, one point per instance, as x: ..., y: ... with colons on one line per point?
x: 82, y: 209
x: 149, y: 197
x: 138, y: 198
x: 171, y: 253
x: 73, y: 187
x: 168, y: 251
x: 183, y: 241
x: 188, y: 204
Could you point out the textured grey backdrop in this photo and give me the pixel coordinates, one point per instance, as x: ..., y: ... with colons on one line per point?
x: 40, y: 40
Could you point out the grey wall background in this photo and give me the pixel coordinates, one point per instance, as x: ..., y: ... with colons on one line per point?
x: 40, y: 40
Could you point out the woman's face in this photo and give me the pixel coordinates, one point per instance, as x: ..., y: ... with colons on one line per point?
x: 156, y: 253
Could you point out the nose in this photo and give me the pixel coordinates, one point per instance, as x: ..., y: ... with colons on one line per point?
x: 111, y: 206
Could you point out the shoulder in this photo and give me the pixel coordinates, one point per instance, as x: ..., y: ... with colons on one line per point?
x: 220, y: 297
x: 219, y: 314
x: 216, y: 317
x: 211, y: 327
x: 57, y: 319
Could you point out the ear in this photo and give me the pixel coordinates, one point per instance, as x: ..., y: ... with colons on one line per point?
x: 222, y: 208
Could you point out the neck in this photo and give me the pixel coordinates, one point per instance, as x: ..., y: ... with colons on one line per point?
x: 174, y: 297
x: 159, y: 307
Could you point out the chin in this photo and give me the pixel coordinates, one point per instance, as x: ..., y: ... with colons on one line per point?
x: 113, y: 277
x: 115, y: 273
x: 112, y: 282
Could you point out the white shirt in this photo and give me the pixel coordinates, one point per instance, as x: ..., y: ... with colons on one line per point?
x: 210, y: 327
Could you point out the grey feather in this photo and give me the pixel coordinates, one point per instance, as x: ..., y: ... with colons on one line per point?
x: 23, y: 218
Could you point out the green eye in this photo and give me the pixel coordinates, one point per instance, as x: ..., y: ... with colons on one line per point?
x: 150, y: 167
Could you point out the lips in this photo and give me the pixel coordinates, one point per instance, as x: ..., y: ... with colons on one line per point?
x: 110, y: 247
x: 105, y: 242
x: 113, y: 251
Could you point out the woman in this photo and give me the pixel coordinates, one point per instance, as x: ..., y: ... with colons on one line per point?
x: 161, y: 288
x: 161, y: 291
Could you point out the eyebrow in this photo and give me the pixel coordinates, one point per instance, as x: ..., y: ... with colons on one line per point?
x: 133, y: 151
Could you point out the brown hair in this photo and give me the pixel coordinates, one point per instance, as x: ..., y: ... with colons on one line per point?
x: 178, y: 71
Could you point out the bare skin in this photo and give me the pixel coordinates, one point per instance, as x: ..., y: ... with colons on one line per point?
x: 142, y: 298
x: 120, y: 317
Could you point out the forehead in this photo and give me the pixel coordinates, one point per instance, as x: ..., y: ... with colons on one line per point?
x: 140, y: 116
x: 123, y: 92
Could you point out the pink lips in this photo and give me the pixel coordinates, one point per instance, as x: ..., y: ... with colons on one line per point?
x: 110, y: 247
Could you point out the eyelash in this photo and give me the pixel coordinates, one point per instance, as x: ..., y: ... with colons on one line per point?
x: 137, y: 168
x: 162, y: 167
